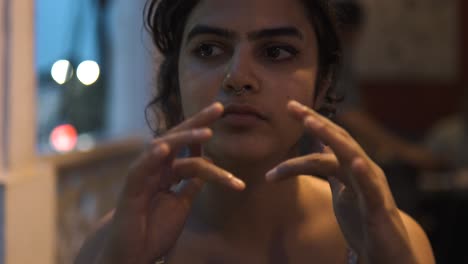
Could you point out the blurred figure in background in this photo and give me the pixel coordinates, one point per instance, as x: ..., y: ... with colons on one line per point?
x: 401, y: 159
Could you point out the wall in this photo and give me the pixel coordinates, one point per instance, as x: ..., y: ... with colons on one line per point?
x: 412, y: 105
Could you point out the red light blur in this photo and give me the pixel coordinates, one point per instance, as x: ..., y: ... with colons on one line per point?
x: 63, y: 138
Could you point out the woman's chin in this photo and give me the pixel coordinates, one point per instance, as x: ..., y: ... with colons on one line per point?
x: 238, y: 151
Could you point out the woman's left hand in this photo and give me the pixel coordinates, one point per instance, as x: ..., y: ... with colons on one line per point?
x: 363, y: 203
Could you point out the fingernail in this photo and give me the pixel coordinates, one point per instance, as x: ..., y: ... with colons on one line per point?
x: 236, y: 182
x: 214, y: 107
x: 271, y: 175
x: 161, y: 150
x: 298, y: 105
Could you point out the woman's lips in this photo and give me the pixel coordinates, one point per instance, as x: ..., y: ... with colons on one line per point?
x: 241, y: 120
x: 243, y: 109
x: 242, y: 115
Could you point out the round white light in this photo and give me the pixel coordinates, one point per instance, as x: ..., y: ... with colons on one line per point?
x: 61, y: 71
x: 88, y: 72
x: 86, y: 142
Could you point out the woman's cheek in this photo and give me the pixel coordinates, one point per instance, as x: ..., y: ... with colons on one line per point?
x: 198, y: 89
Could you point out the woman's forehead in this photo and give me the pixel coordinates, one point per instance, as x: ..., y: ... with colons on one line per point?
x: 249, y: 15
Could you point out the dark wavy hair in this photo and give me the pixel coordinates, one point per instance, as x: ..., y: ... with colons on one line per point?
x: 165, y: 20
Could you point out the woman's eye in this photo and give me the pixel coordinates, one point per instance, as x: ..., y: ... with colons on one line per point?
x: 279, y: 53
x: 208, y: 50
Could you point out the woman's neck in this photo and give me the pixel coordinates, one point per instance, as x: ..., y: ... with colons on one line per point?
x: 253, y: 213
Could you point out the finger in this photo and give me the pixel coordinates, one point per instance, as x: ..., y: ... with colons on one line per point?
x: 199, y: 168
x: 301, y: 112
x: 202, y: 119
x: 188, y: 190
x: 336, y: 186
x: 346, y: 149
x: 177, y: 140
x: 360, y: 172
x: 144, y: 167
x: 342, y: 144
x: 170, y: 179
x: 369, y: 185
x: 327, y: 149
x: 314, y: 164
x: 365, y: 178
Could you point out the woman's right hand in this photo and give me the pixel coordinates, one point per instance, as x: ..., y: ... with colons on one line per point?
x: 150, y: 215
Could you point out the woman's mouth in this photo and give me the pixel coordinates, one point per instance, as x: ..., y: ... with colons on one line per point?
x: 242, y: 115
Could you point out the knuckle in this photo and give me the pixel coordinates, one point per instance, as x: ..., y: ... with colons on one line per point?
x: 322, y: 127
x: 159, y: 142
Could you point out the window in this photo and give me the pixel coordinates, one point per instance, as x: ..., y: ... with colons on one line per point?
x: 94, y: 66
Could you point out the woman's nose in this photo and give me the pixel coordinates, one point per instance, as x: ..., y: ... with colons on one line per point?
x: 240, y: 74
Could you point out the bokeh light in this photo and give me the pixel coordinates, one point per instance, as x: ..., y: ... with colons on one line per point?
x: 61, y: 71
x: 86, y: 142
x: 88, y: 72
x: 63, y: 138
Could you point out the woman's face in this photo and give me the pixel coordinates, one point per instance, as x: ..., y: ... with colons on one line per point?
x: 268, y: 46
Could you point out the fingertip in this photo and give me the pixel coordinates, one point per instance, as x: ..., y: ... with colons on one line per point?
x: 217, y: 107
x: 237, y: 183
x: 161, y: 150
x: 271, y: 176
x: 298, y: 110
x: 295, y: 105
x: 202, y: 132
x: 209, y: 132
x: 241, y: 188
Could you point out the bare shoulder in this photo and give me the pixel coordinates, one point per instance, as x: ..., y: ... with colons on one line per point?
x: 418, y: 239
x: 320, y: 235
x: 317, y: 198
x: 318, y: 190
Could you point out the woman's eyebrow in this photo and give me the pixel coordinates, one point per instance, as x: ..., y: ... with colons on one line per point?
x: 254, y: 35
x: 210, y: 30
x: 275, y: 32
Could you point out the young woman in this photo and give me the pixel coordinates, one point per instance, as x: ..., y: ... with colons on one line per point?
x: 239, y: 87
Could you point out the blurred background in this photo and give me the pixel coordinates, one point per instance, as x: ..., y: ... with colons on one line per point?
x: 76, y: 77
